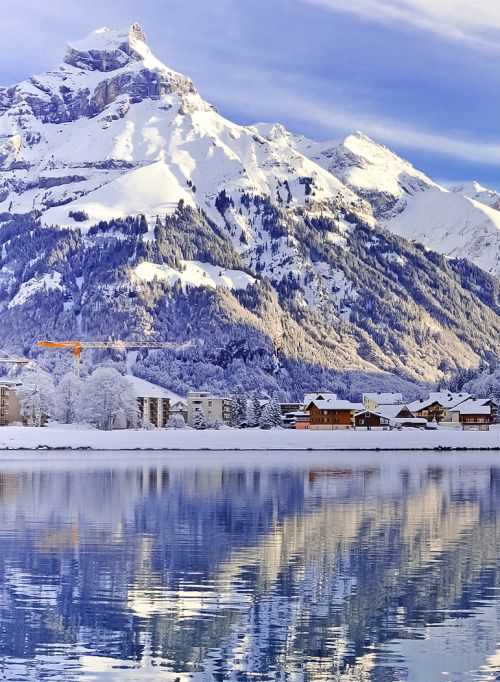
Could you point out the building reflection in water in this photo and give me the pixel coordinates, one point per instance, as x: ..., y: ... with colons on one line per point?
x: 379, y: 573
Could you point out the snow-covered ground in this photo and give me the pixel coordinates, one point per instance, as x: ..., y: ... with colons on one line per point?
x: 25, y: 438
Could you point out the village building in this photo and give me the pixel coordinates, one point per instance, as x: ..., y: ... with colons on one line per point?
x: 302, y: 421
x: 179, y: 407
x: 330, y: 415
x: 322, y: 395
x: 401, y: 416
x: 214, y: 408
x: 286, y: 408
x: 370, y: 419
x: 372, y: 400
x: 473, y: 414
x: 437, y: 407
x: 296, y: 420
x: 153, y: 400
x: 10, y: 407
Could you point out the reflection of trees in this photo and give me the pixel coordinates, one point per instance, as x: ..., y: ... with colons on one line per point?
x: 235, y: 567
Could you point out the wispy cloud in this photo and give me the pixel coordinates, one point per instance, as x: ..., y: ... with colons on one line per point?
x: 343, y: 117
x: 475, y: 22
x: 401, y: 134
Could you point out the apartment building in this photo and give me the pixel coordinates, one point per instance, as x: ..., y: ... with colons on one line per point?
x: 215, y: 408
x: 10, y: 408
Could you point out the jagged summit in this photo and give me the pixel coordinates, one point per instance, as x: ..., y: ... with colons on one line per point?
x: 107, y: 50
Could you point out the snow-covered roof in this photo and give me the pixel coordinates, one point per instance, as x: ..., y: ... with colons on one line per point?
x: 374, y: 412
x: 444, y: 398
x: 384, y: 398
x: 145, y: 389
x: 390, y: 411
x: 473, y: 407
x: 320, y: 395
x: 335, y: 405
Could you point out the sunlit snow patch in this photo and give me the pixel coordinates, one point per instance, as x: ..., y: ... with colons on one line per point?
x: 195, y: 274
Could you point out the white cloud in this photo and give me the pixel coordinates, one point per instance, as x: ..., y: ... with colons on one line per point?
x: 468, y: 21
x: 392, y: 131
x: 344, y: 117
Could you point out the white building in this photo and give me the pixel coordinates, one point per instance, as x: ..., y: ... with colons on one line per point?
x: 372, y: 400
x: 10, y: 408
x: 214, y: 408
x: 154, y: 401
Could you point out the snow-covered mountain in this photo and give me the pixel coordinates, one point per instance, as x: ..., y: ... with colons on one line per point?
x: 463, y: 222
x: 122, y: 190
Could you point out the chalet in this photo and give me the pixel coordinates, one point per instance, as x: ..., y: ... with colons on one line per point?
x: 473, y: 414
x: 437, y: 407
x: 369, y: 419
x: 372, y: 400
x: 401, y: 415
x: 179, y: 407
x: 330, y: 415
x: 323, y: 395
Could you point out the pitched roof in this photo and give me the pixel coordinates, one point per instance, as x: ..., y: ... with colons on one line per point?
x: 334, y: 405
x: 145, y: 389
x: 384, y: 398
x: 443, y: 398
x: 473, y: 407
x: 374, y: 412
x: 391, y: 411
x: 320, y: 395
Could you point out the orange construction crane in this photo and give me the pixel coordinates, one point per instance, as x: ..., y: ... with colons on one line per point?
x: 77, y: 347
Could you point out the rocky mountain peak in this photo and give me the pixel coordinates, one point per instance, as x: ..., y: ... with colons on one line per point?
x: 105, y: 50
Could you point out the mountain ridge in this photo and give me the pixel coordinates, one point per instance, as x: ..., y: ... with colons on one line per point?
x: 122, y: 189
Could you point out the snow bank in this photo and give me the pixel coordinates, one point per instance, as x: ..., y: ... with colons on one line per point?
x: 25, y: 438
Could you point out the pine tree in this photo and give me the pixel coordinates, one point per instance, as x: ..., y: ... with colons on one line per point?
x: 251, y: 418
x: 266, y: 417
x: 275, y: 410
x: 257, y: 408
x: 239, y: 408
x: 199, y: 421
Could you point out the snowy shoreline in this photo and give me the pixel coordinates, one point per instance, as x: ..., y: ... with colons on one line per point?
x: 14, y: 438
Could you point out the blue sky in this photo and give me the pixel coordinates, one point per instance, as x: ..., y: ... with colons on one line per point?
x: 422, y: 76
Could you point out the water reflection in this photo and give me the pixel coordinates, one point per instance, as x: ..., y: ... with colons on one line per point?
x: 383, y: 571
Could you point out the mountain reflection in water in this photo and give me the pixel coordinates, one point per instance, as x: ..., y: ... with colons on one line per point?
x: 383, y: 570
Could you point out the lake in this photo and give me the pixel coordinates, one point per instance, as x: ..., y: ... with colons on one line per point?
x: 299, y: 567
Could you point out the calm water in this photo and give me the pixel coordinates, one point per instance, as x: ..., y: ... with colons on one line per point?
x: 281, y: 567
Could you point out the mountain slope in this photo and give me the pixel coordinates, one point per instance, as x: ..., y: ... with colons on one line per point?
x: 463, y: 222
x: 130, y: 208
